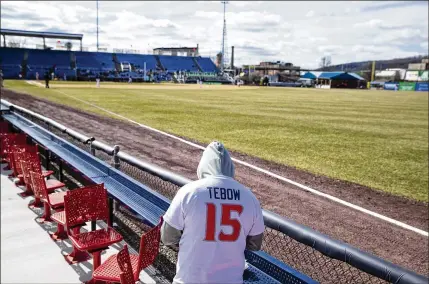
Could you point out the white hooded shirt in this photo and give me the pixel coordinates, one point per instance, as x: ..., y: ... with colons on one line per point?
x: 216, y: 214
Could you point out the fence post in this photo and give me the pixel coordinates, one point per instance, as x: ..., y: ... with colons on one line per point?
x: 113, y: 204
x: 116, y: 163
x: 60, y: 170
x: 91, y: 149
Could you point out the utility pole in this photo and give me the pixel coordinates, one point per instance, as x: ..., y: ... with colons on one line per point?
x: 97, y: 25
x: 223, y: 35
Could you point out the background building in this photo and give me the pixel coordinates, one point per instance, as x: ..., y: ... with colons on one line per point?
x: 177, y: 51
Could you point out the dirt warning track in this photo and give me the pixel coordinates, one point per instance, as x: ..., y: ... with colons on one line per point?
x: 392, y: 243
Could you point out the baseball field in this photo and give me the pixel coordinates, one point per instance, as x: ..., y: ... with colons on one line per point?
x: 378, y: 139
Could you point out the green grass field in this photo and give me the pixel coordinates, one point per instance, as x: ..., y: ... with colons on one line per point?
x: 374, y: 138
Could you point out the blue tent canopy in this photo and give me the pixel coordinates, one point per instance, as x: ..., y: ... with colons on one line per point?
x: 333, y: 76
x: 309, y: 75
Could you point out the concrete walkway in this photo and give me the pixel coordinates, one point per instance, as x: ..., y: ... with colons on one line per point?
x: 28, y: 254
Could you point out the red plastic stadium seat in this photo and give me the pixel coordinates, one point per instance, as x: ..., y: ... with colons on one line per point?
x: 7, y: 141
x: 14, y: 153
x: 110, y: 270
x: 60, y: 217
x: 30, y: 163
x: 15, y: 156
x: 20, y: 153
x: 37, y: 165
x: 53, y: 201
x: 84, y: 205
x: 125, y: 266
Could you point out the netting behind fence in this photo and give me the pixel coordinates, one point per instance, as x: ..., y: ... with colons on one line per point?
x: 293, y: 253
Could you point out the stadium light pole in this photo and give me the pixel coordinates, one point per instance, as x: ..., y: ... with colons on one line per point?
x: 223, y: 35
x: 97, y: 25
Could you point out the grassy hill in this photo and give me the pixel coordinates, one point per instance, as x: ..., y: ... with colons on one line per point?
x: 379, y: 64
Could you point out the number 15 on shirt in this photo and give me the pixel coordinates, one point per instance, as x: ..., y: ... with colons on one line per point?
x: 226, y: 220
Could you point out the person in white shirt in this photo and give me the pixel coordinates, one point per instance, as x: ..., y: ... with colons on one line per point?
x: 130, y: 80
x: 213, y: 219
x: 37, y: 76
x: 97, y: 80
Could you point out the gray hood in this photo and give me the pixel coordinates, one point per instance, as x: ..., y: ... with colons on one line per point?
x: 215, y: 161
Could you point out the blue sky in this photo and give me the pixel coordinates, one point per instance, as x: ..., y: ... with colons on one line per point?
x: 297, y: 32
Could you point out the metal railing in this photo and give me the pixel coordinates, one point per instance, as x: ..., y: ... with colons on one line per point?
x: 310, y: 252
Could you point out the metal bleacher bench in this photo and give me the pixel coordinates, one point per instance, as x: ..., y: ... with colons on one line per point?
x: 142, y: 200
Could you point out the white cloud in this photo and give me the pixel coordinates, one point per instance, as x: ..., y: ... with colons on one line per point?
x: 243, y: 4
x: 369, y: 24
x: 348, y: 31
x: 207, y: 14
x: 310, y: 14
x: 253, y: 18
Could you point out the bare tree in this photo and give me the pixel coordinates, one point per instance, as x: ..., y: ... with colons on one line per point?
x: 16, y: 42
x: 325, y: 61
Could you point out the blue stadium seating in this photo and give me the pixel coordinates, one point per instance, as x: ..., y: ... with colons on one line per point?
x: 105, y: 60
x: 11, y: 72
x: 207, y: 64
x: 87, y: 60
x: 175, y: 63
x: 138, y: 60
x: 45, y: 58
x: 69, y: 73
x: 11, y: 56
x: 31, y: 73
x: 38, y: 60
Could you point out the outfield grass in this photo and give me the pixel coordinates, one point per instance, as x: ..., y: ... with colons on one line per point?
x: 374, y: 138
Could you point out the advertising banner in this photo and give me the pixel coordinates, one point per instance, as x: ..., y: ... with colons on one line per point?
x: 391, y: 86
x: 412, y: 76
x: 423, y: 76
x: 407, y: 86
x: 422, y: 87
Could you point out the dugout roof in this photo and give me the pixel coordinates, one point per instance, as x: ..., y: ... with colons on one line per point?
x: 44, y: 35
x: 41, y: 34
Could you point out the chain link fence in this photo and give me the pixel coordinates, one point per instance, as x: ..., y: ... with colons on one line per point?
x: 299, y: 256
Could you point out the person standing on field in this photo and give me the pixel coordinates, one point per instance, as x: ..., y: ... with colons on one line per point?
x: 213, y: 219
x: 37, y: 76
x: 47, y: 79
x: 97, y: 80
